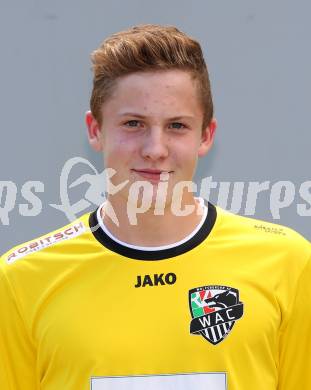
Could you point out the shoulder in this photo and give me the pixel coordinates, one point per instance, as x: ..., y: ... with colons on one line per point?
x: 48, y: 243
x: 256, y: 233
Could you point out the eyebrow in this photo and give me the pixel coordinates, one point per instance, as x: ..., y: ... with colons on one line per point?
x: 175, y: 118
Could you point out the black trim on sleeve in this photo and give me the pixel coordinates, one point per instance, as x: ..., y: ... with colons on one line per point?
x: 140, y: 254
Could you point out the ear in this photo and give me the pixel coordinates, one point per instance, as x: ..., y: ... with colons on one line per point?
x: 207, y: 138
x: 94, y: 132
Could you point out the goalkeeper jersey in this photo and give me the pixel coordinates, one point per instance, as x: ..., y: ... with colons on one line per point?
x: 227, y: 309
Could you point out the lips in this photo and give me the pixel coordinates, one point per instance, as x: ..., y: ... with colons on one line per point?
x: 150, y: 174
x: 155, y: 171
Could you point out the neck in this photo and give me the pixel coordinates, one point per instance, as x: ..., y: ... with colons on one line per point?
x: 149, y: 229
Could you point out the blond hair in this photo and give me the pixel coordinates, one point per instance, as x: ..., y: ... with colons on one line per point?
x: 148, y: 48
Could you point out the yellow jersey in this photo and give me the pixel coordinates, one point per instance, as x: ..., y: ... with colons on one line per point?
x: 227, y: 309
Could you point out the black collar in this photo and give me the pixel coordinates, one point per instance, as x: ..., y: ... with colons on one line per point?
x: 140, y: 254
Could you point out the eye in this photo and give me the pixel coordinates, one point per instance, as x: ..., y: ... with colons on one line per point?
x: 132, y: 123
x: 177, y: 125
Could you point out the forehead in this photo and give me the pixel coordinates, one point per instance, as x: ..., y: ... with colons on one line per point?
x: 155, y: 92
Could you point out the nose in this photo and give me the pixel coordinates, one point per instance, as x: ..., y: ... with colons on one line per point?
x: 155, y: 144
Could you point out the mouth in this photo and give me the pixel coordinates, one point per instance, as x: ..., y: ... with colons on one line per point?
x: 152, y: 174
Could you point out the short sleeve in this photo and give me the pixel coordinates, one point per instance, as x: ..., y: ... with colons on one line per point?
x: 295, y: 341
x: 17, y: 357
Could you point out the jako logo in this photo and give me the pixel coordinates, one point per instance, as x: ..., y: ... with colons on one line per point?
x: 155, y: 280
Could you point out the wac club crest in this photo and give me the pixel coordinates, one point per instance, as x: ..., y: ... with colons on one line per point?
x: 214, y: 311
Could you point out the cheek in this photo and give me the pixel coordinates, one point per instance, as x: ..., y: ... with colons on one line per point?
x: 187, y: 154
x: 188, y: 159
x: 118, y: 152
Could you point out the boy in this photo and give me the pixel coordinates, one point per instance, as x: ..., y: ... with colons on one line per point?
x: 155, y: 289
